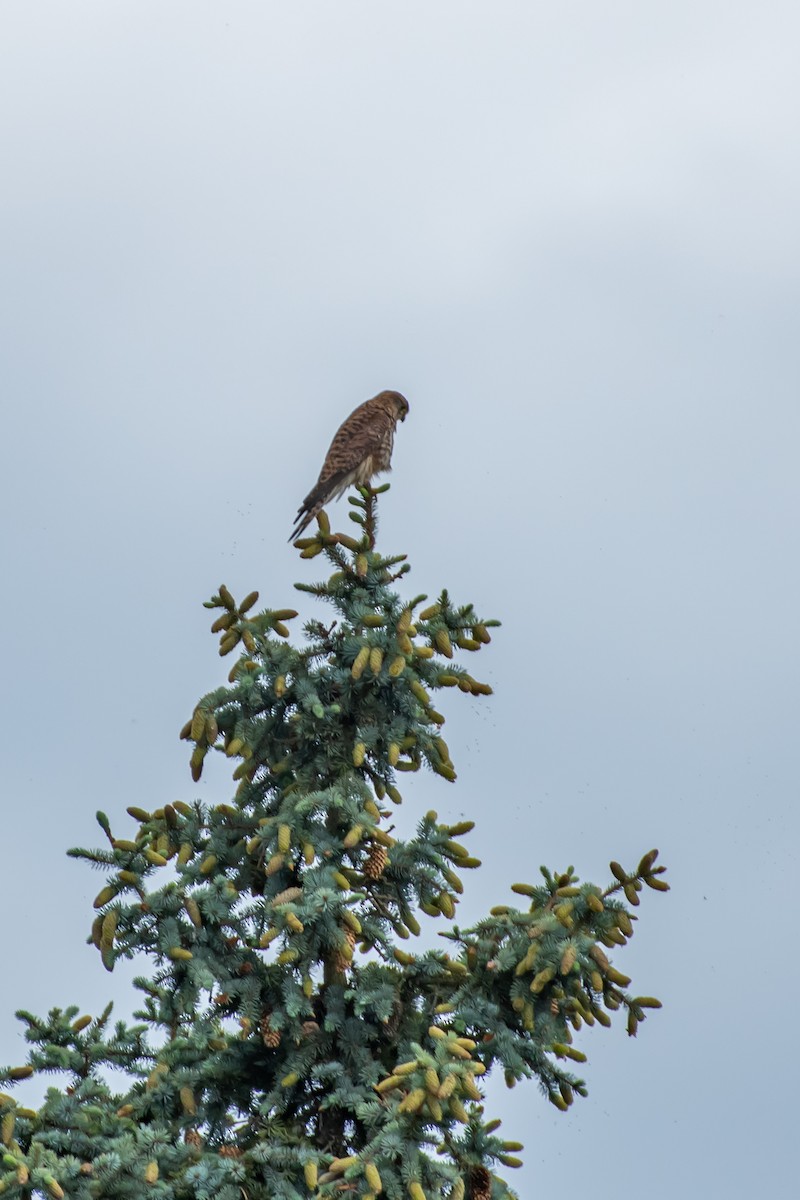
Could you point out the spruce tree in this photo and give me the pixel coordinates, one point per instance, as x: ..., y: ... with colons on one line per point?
x: 292, y: 1043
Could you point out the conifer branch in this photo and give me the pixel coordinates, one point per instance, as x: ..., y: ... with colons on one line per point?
x: 293, y: 1038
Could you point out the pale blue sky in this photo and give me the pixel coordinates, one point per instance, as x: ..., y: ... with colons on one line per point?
x: 568, y: 233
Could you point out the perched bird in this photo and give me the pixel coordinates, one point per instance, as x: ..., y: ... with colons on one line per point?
x: 361, y: 449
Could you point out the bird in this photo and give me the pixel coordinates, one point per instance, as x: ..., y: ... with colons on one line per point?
x: 361, y: 448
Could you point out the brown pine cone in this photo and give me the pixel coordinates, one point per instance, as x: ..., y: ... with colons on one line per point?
x: 271, y: 1037
x: 376, y: 861
x: 342, y: 964
x: 480, y: 1184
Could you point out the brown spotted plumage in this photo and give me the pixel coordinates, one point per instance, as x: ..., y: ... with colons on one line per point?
x: 361, y: 449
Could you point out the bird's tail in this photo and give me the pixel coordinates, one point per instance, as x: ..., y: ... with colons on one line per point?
x: 324, y: 490
x: 306, y: 512
x: 302, y: 521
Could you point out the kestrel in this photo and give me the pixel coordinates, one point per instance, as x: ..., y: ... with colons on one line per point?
x: 361, y: 449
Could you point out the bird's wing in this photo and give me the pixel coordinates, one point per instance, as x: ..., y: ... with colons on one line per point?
x: 356, y: 439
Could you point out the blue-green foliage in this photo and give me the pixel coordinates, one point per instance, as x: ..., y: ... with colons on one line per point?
x: 292, y: 1043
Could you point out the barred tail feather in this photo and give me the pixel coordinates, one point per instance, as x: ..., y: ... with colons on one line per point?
x: 305, y: 515
x: 315, y: 501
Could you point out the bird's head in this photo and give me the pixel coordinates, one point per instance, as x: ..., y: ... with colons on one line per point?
x: 399, y: 403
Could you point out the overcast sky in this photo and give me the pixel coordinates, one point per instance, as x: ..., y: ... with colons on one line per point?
x: 569, y: 234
